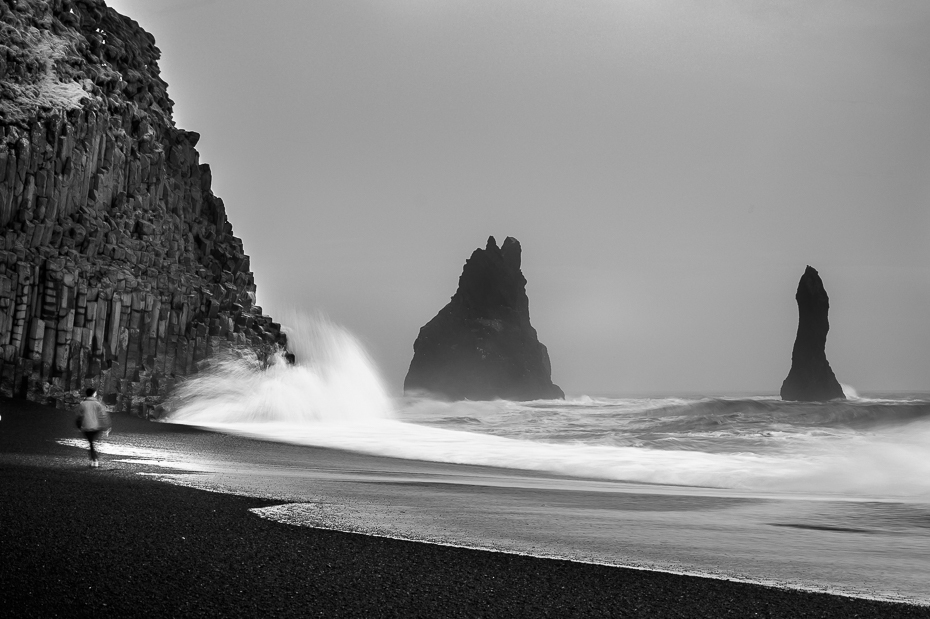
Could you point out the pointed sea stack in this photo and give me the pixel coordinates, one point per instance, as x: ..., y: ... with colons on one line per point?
x: 810, y: 378
x: 481, y: 345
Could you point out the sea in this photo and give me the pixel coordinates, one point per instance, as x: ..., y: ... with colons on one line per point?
x: 831, y: 496
x: 863, y: 447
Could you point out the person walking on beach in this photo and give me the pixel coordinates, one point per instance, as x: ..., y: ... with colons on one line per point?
x: 93, y: 420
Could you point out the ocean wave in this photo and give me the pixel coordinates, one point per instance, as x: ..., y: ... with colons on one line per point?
x: 335, y: 398
x: 859, y: 414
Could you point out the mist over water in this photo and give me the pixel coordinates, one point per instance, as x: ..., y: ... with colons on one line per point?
x: 334, y: 398
x: 334, y: 382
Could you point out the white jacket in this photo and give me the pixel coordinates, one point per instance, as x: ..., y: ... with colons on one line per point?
x: 93, y: 415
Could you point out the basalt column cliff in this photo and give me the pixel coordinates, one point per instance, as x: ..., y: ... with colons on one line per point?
x: 811, y: 379
x: 118, y: 267
x: 481, y: 345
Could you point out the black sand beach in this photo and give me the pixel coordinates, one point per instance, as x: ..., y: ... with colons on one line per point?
x: 109, y: 542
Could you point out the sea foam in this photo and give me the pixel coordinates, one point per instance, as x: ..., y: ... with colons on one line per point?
x: 333, y: 397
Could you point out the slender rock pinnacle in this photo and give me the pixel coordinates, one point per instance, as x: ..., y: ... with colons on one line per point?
x: 811, y: 379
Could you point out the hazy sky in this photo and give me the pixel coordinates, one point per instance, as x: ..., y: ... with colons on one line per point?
x: 669, y: 167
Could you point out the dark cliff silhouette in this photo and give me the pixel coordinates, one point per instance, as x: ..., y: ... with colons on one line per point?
x: 481, y: 345
x: 811, y: 379
x: 119, y: 269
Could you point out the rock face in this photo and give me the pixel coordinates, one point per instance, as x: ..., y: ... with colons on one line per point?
x: 481, y: 345
x: 118, y: 267
x: 810, y: 378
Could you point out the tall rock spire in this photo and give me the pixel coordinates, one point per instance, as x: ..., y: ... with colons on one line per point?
x: 481, y: 345
x: 811, y: 379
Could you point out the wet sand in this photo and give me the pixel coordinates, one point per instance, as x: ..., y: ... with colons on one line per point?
x: 120, y: 543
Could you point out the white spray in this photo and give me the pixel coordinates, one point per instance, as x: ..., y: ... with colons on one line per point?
x: 334, y: 398
x: 334, y: 381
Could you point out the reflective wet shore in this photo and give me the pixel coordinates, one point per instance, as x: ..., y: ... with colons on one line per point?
x: 876, y: 549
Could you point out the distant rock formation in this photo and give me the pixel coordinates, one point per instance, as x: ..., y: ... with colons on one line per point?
x: 481, y: 345
x: 810, y: 378
x: 118, y: 266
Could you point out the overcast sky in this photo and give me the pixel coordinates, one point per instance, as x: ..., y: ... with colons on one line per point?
x: 669, y: 167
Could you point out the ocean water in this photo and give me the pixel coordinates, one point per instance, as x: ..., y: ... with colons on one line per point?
x: 828, y: 497
x: 862, y: 448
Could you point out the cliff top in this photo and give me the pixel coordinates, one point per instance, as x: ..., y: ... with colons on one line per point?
x: 53, y: 57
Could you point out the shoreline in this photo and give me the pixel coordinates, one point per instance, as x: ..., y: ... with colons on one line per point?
x: 623, y: 566
x: 168, y: 549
